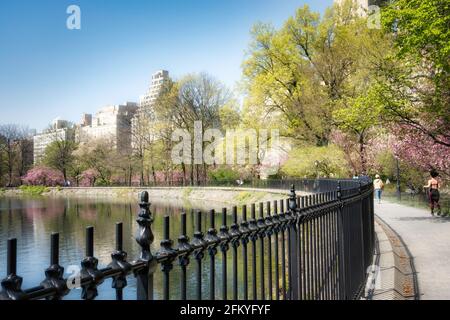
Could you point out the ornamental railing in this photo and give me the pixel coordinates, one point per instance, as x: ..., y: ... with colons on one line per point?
x: 312, y: 247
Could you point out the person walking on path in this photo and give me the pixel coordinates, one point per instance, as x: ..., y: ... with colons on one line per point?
x: 378, y: 185
x: 433, y: 187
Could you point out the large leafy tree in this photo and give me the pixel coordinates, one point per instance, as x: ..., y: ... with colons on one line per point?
x: 415, y: 81
x: 99, y: 155
x: 59, y: 155
x: 195, y: 97
x: 304, y: 69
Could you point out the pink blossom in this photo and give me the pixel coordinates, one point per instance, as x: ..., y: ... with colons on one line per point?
x: 421, y: 150
x: 88, y: 178
x: 43, y: 176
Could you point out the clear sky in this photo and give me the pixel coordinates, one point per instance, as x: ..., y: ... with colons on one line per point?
x: 48, y: 71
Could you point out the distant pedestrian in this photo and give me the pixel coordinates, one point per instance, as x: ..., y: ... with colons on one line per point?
x: 378, y: 185
x: 434, y: 196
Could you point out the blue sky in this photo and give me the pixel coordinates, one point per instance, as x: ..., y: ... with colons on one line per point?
x: 48, y: 71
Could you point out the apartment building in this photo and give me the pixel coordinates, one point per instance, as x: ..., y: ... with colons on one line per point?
x: 112, y: 123
x: 143, y: 119
x: 158, y: 80
x: 61, y: 130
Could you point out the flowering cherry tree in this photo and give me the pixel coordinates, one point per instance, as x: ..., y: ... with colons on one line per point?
x: 422, y: 151
x: 43, y: 176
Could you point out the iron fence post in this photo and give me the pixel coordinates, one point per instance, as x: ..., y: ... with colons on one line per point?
x: 185, y: 250
x: 166, y: 255
x: 293, y: 247
x: 54, y: 274
x: 119, y: 263
x: 145, y: 238
x: 12, y: 285
x: 341, y: 243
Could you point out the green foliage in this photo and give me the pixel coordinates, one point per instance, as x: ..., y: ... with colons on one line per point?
x: 229, y: 115
x: 102, y: 183
x: 413, y: 82
x: 243, y: 197
x: 423, y: 29
x: 387, y: 168
x: 34, y: 190
x: 223, y: 174
x: 101, y: 156
x: 358, y: 114
x: 187, y: 192
x: 330, y: 163
x: 59, y: 156
x: 307, y: 68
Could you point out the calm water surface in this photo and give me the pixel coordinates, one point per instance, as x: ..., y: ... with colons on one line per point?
x: 32, y: 220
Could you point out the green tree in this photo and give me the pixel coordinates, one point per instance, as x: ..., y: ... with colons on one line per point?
x: 196, y: 97
x: 100, y: 155
x: 306, y: 67
x: 59, y: 156
x: 414, y: 83
x: 230, y: 115
x: 313, y: 162
x: 359, y: 116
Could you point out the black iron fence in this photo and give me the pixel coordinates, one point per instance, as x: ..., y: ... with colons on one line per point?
x: 312, y: 247
x: 284, y: 183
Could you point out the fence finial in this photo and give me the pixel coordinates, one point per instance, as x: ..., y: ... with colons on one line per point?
x: 145, y: 238
x: 145, y: 235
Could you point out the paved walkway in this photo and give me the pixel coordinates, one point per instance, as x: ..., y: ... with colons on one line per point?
x: 428, y: 240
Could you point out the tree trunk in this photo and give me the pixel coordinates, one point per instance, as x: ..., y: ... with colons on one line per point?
x: 10, y: 163
x: 142, y: 182
x: 183, y: 167
x: 130, y: 176
x: 205, y: 170
x: 197, y: 174
x: 154, y: 174
x: 362, y: 154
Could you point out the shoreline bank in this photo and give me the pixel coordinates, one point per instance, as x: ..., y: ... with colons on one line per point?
x: 214, y: 195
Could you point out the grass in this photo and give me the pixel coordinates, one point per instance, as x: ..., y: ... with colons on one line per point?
x: 187, y: 192
x: 33, y: 190
x: 122, y: 192
x: 2, y: 191
x: 243, y: 196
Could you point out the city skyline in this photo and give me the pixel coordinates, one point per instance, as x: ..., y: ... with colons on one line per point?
x: 51, y: 72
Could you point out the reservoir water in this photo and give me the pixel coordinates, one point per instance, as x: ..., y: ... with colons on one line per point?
x: 32, y: 220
